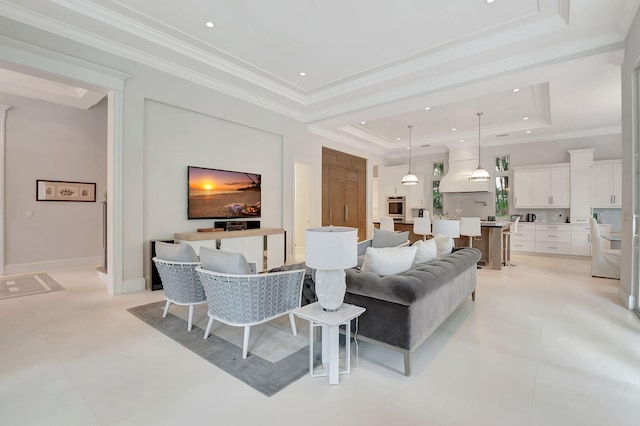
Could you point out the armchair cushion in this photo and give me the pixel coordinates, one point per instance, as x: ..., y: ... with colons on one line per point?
x: 388, y: 239
x: 224, y: 262
x: 178, y: 252
x: 389, y: 260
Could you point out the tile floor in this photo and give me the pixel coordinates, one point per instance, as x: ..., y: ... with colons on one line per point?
x: 544, y: 344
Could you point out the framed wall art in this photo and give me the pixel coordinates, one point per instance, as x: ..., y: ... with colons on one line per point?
x: 57, y: 190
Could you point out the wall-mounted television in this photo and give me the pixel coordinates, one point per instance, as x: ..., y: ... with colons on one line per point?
x: 221, y: 194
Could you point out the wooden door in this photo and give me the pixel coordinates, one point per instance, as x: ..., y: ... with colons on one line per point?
x: 344, y: 201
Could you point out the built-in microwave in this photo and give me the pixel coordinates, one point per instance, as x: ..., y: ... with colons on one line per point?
x: 396, y: 207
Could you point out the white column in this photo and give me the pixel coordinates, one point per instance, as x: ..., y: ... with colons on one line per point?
x: 3, y: 115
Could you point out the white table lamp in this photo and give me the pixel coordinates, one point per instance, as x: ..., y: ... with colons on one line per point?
x: 330, y: 250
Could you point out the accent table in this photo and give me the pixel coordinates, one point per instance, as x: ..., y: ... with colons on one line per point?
x: 330, y: 323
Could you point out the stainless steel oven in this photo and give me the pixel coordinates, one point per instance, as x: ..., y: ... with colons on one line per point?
x: 396, y: 207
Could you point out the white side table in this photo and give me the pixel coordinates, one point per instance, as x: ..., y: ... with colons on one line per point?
x: 330, y: 323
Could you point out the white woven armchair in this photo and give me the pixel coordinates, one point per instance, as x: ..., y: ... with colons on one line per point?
x: 246, y: 300
x: 181, y: 285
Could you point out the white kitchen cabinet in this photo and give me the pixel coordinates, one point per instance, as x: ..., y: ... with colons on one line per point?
x: 522, y: 188
x: 525, y: 238
x: 580, y: 195
x: 606, y: 184
x: 542, y: 187
x: 580, y: 239
x: 392, y: 186
x: 416, y: 198
x: 553, y: 238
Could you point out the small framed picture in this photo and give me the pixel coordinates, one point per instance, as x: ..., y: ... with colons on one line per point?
x: 56, y: 190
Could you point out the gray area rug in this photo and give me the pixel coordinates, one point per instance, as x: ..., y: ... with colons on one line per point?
x: 264, y: 376
x: 27, y: 285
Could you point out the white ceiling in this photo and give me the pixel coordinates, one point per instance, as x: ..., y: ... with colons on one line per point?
x: 379, y: 62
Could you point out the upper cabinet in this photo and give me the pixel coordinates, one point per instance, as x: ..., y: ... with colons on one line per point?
x: 542, y: 186
x: 606, y: 184
x: 392, y: 186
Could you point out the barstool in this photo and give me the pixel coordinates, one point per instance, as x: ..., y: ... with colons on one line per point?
x: 506, y: 243
x: 386, y: 224
x: 470, y: 227
x: 422, y: 226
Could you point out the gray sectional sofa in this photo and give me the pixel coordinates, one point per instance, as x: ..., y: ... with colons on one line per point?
x: 403, y: 310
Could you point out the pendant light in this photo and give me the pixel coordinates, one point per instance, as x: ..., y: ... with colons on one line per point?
x: 409, y: 178
x: 479, y: 174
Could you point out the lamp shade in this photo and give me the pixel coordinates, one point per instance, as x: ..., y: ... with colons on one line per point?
x: 331, y: 247
x: 448, y: 228
x: 422, y: 225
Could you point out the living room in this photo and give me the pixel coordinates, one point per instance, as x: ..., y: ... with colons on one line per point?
x: 166, y: 115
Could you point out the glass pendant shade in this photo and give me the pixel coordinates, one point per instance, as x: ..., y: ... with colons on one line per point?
x: 479, y: 174
x: 409, y: 178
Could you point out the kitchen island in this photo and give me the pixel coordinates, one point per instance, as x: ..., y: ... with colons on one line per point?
x: 489, y: 243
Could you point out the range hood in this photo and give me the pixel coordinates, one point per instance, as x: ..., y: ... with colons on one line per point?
x: 462, y: 162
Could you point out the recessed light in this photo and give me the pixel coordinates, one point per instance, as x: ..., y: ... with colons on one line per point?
x: 408, y: 148
x: 397, y: 139
x: 209, y: 24
x: 528, y: 131
x: 461, y: 140
x: 454, y: 129
x: 303, y: 73
x: 427, y: 108
x: 525, y: 118
x: 363, y: 122
x: 490, y: 1
x: 515, y: 90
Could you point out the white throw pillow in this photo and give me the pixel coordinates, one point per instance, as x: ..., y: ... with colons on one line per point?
x: 388, y: 260
x: 223, y: 261
x: 426, y: 251
x: 444, y: 244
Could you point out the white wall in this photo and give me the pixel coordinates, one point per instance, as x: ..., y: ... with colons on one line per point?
x: 629, y: 290
x: 54, y: 142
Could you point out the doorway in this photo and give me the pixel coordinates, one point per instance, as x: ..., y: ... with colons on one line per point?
x: 302, y: 206
x: 34, y: 61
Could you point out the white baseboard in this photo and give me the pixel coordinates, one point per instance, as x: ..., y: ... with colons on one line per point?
x: 132, y: 286
x: 628, y: 300
x: 50, y: 265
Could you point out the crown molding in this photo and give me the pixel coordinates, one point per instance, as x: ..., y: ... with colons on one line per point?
x: 572, y: 134
x: 101, y: 43
x: 145, y: 32
x: 510, y: 65
x: 439, y: 56
x: 334, y: 136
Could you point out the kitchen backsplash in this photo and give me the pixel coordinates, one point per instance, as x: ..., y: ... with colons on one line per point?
x: 612, y: 217
x: 546, y: 215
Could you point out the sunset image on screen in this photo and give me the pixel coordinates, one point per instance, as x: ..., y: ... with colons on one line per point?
x: 221, y: 193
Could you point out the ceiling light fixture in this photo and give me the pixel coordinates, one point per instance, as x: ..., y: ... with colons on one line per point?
x: 490, y: 1
x: 479, y: 174
x: 454, y: 129
x: 209, y: 24
x: 427, y: 108
x: 525, y: 118
x: 410, y: 178
x: 303, y: 73
x: 363, y: 122
x: 461, y: 140
x: 528, y: 131
x: 515, y: 90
